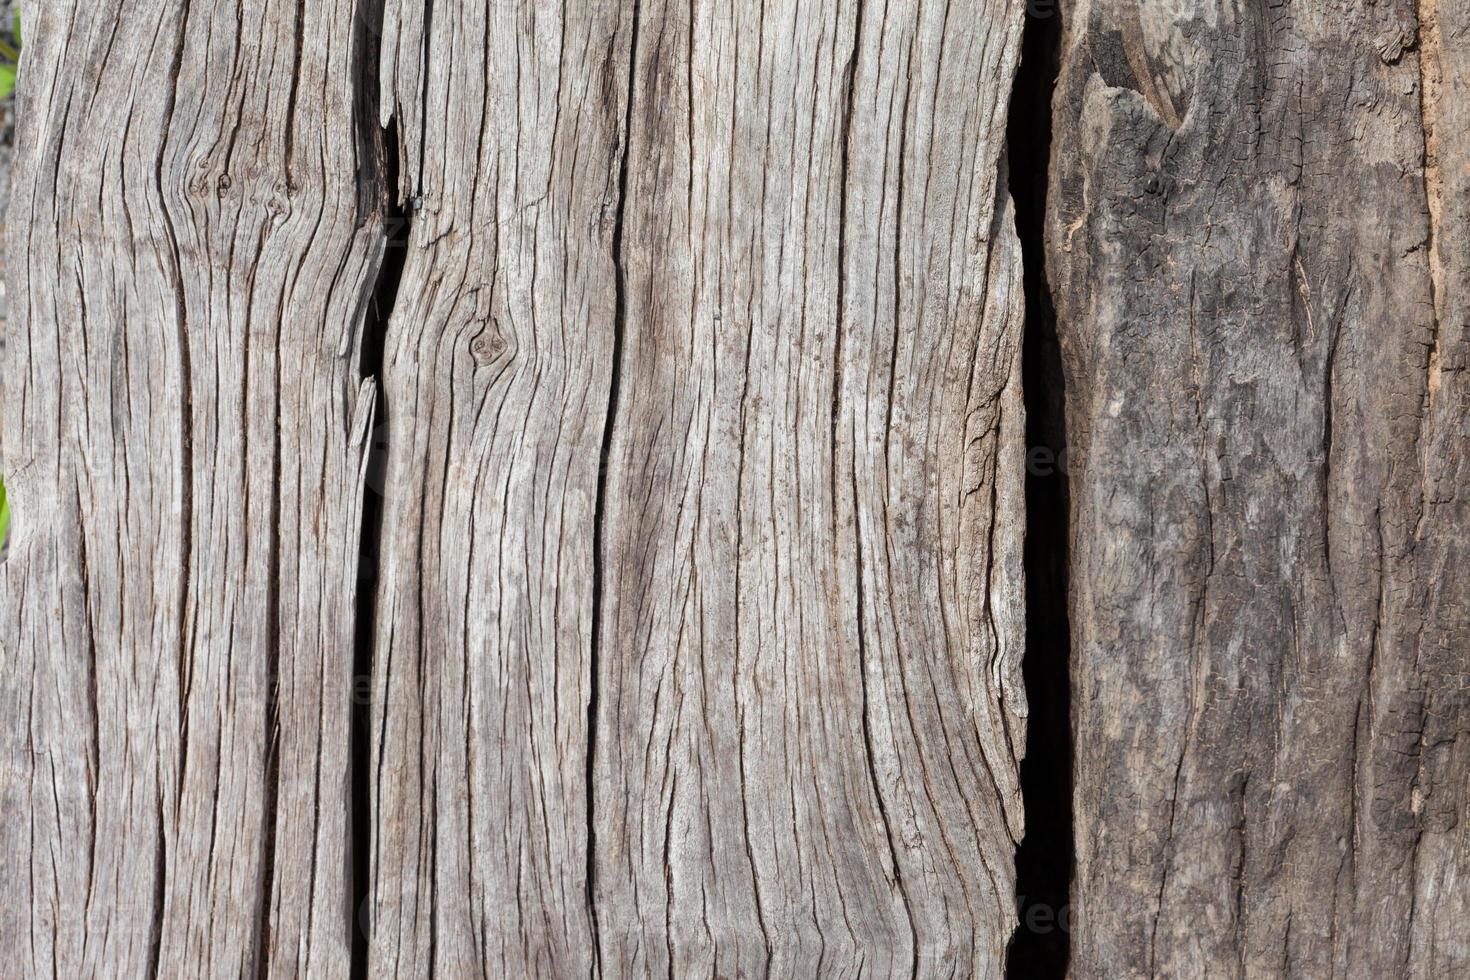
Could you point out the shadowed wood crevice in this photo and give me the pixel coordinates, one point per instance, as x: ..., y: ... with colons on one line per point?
x: 382, y: 196
x: 1045, y: 856
x: 397, y: 229
x: 620, y: 316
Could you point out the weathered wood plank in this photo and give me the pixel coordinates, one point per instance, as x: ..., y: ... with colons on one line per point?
x: 1436, y: 627
x: 183, y: 442
x: 698, y: 615
x: 778, y: 238
x: 809, y: 651
x: 498, y: 360
x: 1262, y: 320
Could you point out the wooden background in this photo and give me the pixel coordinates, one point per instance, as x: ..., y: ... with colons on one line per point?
x: 509, y: 488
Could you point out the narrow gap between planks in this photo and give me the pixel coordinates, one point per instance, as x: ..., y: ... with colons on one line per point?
x: 1040, y: 948
x: 381, y: 152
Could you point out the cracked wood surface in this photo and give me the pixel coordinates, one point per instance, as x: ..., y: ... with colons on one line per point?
x: 1256, y: 248
x: 697, y: 617
x: 809, y: 691
x: 184, y: 439
x: 698, y: 602
x: 704, y: 486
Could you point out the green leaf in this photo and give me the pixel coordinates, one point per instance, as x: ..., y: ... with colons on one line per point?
x: 4, y: 515
x: 15, y: 30
x: 7, y: 80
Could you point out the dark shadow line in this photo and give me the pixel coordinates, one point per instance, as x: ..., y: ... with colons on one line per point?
x: 1041, y: 946
x: 380, y: 156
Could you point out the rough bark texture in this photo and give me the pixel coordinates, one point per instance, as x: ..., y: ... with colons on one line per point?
x: 184, y: 439
x: 1256, y: 251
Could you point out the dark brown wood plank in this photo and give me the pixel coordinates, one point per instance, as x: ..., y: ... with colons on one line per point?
x: 1259, y: 310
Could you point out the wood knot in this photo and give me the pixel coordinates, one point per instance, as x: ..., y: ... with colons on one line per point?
x: 489, y: 345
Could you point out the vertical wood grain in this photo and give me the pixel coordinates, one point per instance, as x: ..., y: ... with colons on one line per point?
x: 811, y: 707
x: 764, y: 258
x: 498, y: 361
x: 183, y: 442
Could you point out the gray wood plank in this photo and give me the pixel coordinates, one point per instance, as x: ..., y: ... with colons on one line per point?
x: 764, y: 258
x: 183, y: 440
x: 498, y: 360
x: 809, y: 662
